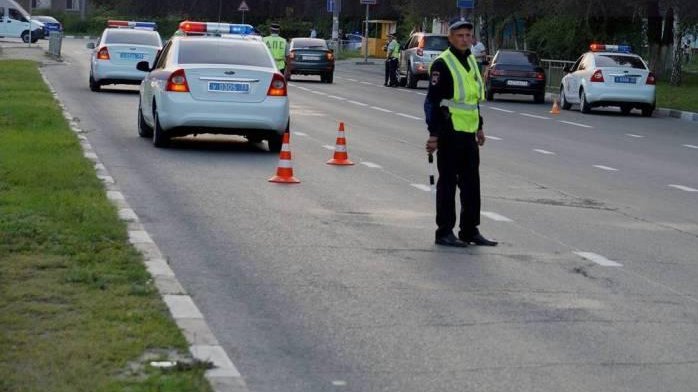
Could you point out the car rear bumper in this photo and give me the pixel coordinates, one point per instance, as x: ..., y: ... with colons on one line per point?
x: 500, y: 85
x: 602, y: 95
x: 108, y: 73
x: 182, y: 114
x: 309, y: 68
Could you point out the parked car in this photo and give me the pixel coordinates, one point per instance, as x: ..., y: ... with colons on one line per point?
x: 416, y: 57
x: 15, y: 22
x: 310, y: 56
x: 50, y: 24
x: 515, y: 72
x: 609, y: 75
x: 352, y: 41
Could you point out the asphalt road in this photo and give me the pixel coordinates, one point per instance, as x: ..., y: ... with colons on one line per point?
x: 334, y: 284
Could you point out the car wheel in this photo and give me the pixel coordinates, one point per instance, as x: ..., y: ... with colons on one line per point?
x: 94, y: 85
x: 584, y: 106
x: 539, y: 98
x: 25, y: 37
x: 143, y: 129
x: 329, y: 78
x: 160, y: 139
x: 647, y: 111
x: 626, y: 109
x: 563, y: 100
x: 275, y: 143
x: 411, y: 80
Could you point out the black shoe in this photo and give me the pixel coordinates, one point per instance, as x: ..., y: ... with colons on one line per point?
x: 478, y: 239
x: 450, y: 240
x: 385, y: 84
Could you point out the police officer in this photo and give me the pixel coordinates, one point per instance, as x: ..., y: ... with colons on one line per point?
x: 277, y: 46
x: 391, y: 61
x: 455, y: 130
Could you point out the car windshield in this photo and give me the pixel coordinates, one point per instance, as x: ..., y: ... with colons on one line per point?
x: 517, y: 58
x: 220, y: 51
x: 132, y: 37
x: 435, y: 43
x: 617, y: 60
x: 308, y: 44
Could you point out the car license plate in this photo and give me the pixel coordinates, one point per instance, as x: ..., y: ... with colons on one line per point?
x: 131, y: 56
x: 227, y: 87
x: 625, y: 79
x: 311, y: 58
x: 520, y: 83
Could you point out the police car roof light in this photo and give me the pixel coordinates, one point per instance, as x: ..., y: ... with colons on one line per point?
x: 215, y: 28
x: 610, y: 48
x: 129, y: 24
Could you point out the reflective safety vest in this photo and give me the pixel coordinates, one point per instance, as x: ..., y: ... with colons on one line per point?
x: 468, y: 91
x: 277, y: 47
x: 396, y: 50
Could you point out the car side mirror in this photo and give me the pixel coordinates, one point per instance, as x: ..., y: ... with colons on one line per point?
x: 90, y: 45
x: 143, y: 66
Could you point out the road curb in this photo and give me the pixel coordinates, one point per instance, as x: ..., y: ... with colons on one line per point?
x: 203, y: 345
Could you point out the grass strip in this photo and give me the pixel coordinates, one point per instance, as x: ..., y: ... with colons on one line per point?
x: 78, y: 311
x: 684, y: 97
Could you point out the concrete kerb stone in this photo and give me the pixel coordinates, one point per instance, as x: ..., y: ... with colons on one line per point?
x: 203, y: 345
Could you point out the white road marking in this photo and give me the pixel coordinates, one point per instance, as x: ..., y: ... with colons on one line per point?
x: 352, y: 80
x: 501, y: 110
x: 493, y: 137
x: 683, y: 188
x: 408, y: 116
x: 381, y: 109
x: 372, y: 165
x: 422, y: 187
x: 336, y: 97
x: 358, y: 103
x: 370, y: 84
x: 318, y: 92
x: 535, y: 116
x: 327, y: 146
x: 605, y: 168
x: 690, y: 146
x: 576, y: 124
x: 634, y: 135
x: 546, y: 152
x: 300, y: 133
x: 598, y: 259
x: 495, y: 216
x: 339, y: 383
x: 304, y: 88
x: 291, y: 84
x: 421, y: 94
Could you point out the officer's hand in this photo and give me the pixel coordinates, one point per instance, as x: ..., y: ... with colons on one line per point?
x: 480, y: 137
x: 432, y: 144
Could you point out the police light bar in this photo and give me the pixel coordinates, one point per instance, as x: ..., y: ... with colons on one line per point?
x: 215, y: 28
x: 610, y: 48
x: 129, y: 24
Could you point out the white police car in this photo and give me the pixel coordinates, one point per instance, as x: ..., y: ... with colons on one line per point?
x: 121, y: 46
x: 609, y: 75
x: 213, y: 84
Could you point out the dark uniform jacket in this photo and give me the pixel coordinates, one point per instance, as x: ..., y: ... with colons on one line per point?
x: 441, y: 87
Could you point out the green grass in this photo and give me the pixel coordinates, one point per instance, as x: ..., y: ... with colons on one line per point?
x: 77, y: 309
x: 684, y: 97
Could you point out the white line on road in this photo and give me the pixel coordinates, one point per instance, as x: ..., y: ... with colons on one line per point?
x: 422, y: 187
x: 421, y: 94
x: 408, y: 116
x: 358, y: 103
x: 501, y: 110
x: 327, y: 146
x: 336, y: 97
x: 546, y: 152
x: 634, y: 135
x: 535, y: 116
x: 352, y: 80
x: 683, y: 188
x: 493, y: 137
x: 372, y: 165
x: 598, y: 259
x: 495, y: 216
x: 300, y: 133
x: 690, y: 146
x: 370, y: 84
x: 318, y: 92
x: 304, y: 88
x: 605, y: 168
x: 381, y: 109
x: 576, y: 124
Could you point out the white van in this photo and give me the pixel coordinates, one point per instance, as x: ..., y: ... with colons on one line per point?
x: 15, y: 22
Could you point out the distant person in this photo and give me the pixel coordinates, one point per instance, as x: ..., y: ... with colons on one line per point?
x: 392, y: 61
x: 277, y: 46
x: 480, y: 52
x: 687, y: 51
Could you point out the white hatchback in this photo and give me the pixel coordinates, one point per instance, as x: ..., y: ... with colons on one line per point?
x: 216, y: 85
x: 609, y: 75
x: 115, y: 55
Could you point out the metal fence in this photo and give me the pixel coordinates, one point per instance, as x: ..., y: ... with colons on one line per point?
x: 55, y: 41
x: 554, y: 73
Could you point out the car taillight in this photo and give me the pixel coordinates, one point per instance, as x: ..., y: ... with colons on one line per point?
x: 651, y: 79
x: 597, y: 76
x: 177, y: 82
x: 277, y: 88
x: 103, y: 54
x: 540, y: 76
x: 495, y: 72
x: 330, y: 56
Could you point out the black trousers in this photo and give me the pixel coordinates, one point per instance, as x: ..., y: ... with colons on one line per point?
x: 391, y: 65
x: 458, y: 162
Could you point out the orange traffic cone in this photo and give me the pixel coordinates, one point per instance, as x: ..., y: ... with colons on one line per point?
x: 556, y: 107
x: 341, y: 157
x: 284, y: 172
